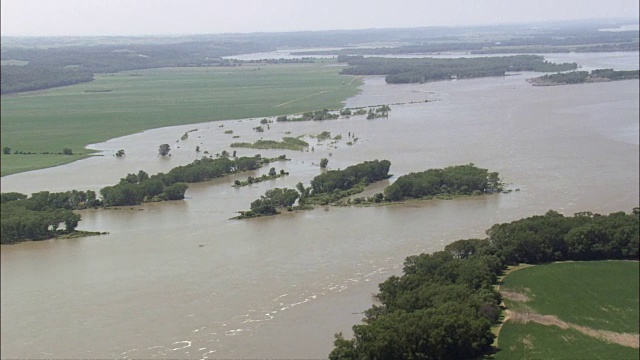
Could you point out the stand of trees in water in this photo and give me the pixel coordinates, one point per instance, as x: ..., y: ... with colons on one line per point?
x: 579, y: 77
x: 454, y: 180
x: 38, y: 217
x: 444, y: 304
x: 287, y: 143
x: 325, y: 188
x: 334, y: 185
x: 419, y: 70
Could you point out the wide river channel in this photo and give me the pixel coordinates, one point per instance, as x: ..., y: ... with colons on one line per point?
x: 181, y: 280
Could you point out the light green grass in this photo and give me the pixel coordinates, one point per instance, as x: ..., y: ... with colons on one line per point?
x: 535, y: 341
x: 600, y: 295
x: 82, y: 114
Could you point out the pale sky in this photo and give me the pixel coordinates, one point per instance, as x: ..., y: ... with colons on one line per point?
x: 166, y: 17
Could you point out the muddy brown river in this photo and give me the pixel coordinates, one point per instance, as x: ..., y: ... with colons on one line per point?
x: 182, y: 280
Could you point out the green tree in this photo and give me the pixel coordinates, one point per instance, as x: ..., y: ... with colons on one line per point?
x: 6, y: 150
x: 164, y: 149
x: 324, y: 162
x: 67, y: 151
x: 120, y: 153
x: 272, y: 171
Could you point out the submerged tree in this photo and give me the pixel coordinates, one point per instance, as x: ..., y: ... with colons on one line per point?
x: 164, y: 149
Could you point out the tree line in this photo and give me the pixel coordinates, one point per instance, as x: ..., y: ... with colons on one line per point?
x: 420, y: 70
x: 444, y: 304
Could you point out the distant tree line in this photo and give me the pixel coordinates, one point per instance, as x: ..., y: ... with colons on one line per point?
x: 67, y: 65
x: 588, y: 39
x: 419, y: 70
x: 444, y: 304
x: 15, y: 78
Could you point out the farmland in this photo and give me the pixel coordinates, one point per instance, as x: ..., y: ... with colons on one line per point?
x: 571, y: 310
x: 118, y: 104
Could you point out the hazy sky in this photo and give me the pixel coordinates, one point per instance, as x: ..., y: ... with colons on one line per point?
x: 162, y: 17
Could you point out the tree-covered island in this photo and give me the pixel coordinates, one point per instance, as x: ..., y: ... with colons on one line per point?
x: 287, y: 143
x: 333, y: 186
x: 325, y: 188
x: 420, y: 70
x: 581, y: 77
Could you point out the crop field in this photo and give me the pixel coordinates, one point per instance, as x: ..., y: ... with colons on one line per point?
x: 584, y: 310
x: 118, y: 104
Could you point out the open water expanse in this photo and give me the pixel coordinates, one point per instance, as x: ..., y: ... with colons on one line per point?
x: 181, y: 280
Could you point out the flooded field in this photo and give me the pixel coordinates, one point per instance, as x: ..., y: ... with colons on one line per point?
x: 181, y: 280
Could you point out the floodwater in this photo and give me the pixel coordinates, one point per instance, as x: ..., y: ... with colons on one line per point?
x: 181, y: 280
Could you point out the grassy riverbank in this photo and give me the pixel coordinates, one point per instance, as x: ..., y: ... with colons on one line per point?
x: 118, y: 104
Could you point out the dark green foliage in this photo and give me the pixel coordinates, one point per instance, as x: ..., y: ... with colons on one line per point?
x: 578, y: 77
x: 456, y: 180
x: 175, y: 191
x: 441, y: 308
x: 6, y: 150
x: 317, y: 115
x: 324, y: 162
x: 431, y: 69
x: 272, y: 199
x: 554, y: 237
x: 163, y: 150
x: 286, y: 143
x: 67, y: 151
x: 11, y: 196
x: 38, y: 217
x: 366, y: 172
x: 120, y: 153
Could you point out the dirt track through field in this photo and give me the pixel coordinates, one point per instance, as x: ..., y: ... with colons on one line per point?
x: 302, y: 98
x: 624, y: 339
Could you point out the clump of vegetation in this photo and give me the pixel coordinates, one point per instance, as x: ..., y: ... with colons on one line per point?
x: 251, y: 180
x: 289, y: 143
x: 323, y: 163
x: 323, y: 136
x: 164, y: 150
x: 120, y: 153
x: 228, y: 131
x: 332, y: 186
x: 452, y: 180
x: 579, y: 77
x: 317, y: 115
x: 270, y: 202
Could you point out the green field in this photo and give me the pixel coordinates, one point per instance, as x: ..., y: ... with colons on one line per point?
x: 128, y: 102
x: 595, y: 305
